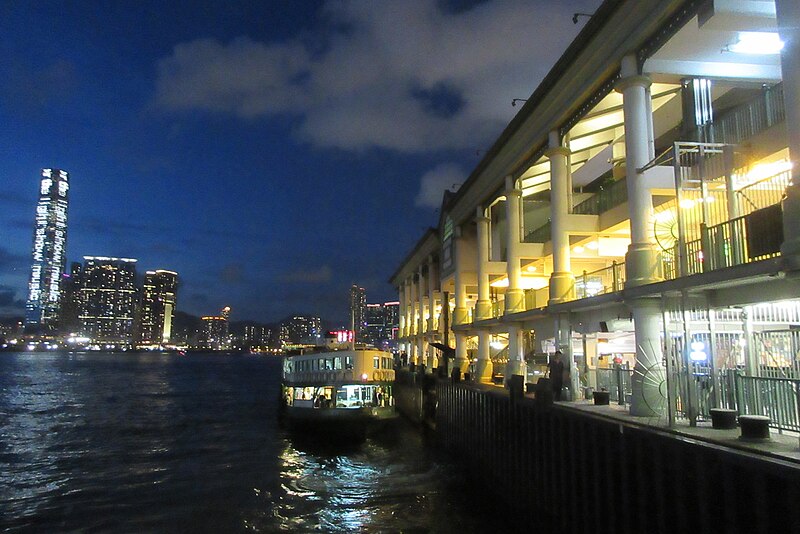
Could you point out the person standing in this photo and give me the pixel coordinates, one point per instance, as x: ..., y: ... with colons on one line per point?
x: 556, y: 371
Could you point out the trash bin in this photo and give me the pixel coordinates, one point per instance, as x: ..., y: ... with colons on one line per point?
x: 600, y: 397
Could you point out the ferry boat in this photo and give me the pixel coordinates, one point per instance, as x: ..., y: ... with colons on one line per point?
x: 345, y: 392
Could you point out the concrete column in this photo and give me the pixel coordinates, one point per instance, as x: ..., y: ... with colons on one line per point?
x: 516, y: 360
x: 562, y: 282
x: 409, y: 310
x: 483, y: 308
x: 788, y: 12
x: 642, y: 265
x: 515, y: 296
x: 462, y: 358
x: 484, y: 367
x: 433, y: 296
x: 401, y: 298
x: 422, y: 323
x: 649, y: 387
x: 460, y: 311
x: 563, y: 338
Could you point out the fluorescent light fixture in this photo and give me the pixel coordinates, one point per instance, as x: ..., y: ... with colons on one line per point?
x: 757, y: 43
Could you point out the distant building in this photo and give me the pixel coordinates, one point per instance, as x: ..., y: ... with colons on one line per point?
x: 257, y: 335
x: 108, y: 296
x: 301, y: 329
x: 358, y: 310
x: 69, y: 321
x: 49, y: 252
x: 382, y: 323
x: 216, y: 331
x: 159, y: 296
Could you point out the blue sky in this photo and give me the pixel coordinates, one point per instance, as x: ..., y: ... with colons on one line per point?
x: 272, y: 153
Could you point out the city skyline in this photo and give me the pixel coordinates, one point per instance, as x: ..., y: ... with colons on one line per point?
x: 269, y: 149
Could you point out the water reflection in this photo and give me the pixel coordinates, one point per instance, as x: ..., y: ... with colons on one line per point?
x: 152, y: 443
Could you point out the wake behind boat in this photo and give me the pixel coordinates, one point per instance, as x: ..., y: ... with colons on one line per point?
x: 346, y: 392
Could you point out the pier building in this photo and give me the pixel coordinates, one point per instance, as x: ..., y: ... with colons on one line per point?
x: 641, y: 214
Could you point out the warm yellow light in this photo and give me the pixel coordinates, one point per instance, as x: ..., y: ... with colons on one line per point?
x: 525, y: 282
x: 765, y: 170
x: 531, y: 268
x: 578, y: 250
x: 592, y: 245
x: 686, y: 204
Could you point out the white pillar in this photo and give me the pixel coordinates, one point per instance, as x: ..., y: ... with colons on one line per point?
x: 648, y: 384
x: 562, y: 282
x: 433, y: 284
x: 516, y: 360
x: 462, y: 358
x: 515, y: 296
x: 788, y: 12
x: 460, y: 311
x: 642, y: 260
x: 563, y: 338
x: 401, y: 298
x: 483, y: 308
x: 422, y: 323
x: 484, y: 367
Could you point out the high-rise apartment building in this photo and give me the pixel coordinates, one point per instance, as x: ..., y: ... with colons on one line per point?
x: 301, y: 329
x: 358, y: 310
x: 49, y: 252
x: 216, y: 330
x: 108, y: 299
x: 159, y: 296
x: 382, y: 323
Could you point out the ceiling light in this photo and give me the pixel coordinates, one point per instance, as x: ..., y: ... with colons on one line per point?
x: 761, y: 43
x: 578, y: 250
x: 592, y: 245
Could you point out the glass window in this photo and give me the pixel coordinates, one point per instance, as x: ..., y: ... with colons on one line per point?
x: 348, y: 362
x: 376, y: 362
x: 337, y: 362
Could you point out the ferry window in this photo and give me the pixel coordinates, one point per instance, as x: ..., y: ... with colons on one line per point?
x: 348, y: 362
x: 376, y: 362
x: 329, y: 364
x: 321, y: 363
x: 337, y: 362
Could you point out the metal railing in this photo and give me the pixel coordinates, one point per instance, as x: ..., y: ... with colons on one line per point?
x: 613, y: 196
x: 606, y: 280
x: 540, y: 235
x: 777, y: 398
x: 617, y: 381
x: 751, y: 118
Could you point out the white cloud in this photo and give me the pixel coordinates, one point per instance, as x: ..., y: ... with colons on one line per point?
x: 360, y: 91
x: 310, y: 276
x: 435, y: 181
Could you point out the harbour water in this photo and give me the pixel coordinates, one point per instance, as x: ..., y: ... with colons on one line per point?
x: 98, y: 442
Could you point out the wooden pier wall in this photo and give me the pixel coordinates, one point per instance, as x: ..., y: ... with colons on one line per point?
x: 557, y: 467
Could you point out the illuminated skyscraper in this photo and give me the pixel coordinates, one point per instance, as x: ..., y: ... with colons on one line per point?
x: 358, y: 310
x: 108, y: 299
x: 49, y: 252
x: 159, y: 295
x: 301, y: 329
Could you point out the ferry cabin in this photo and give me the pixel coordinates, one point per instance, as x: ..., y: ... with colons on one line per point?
x: 344, y: 380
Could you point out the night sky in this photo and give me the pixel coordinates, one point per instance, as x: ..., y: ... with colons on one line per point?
x: 272, y: 153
